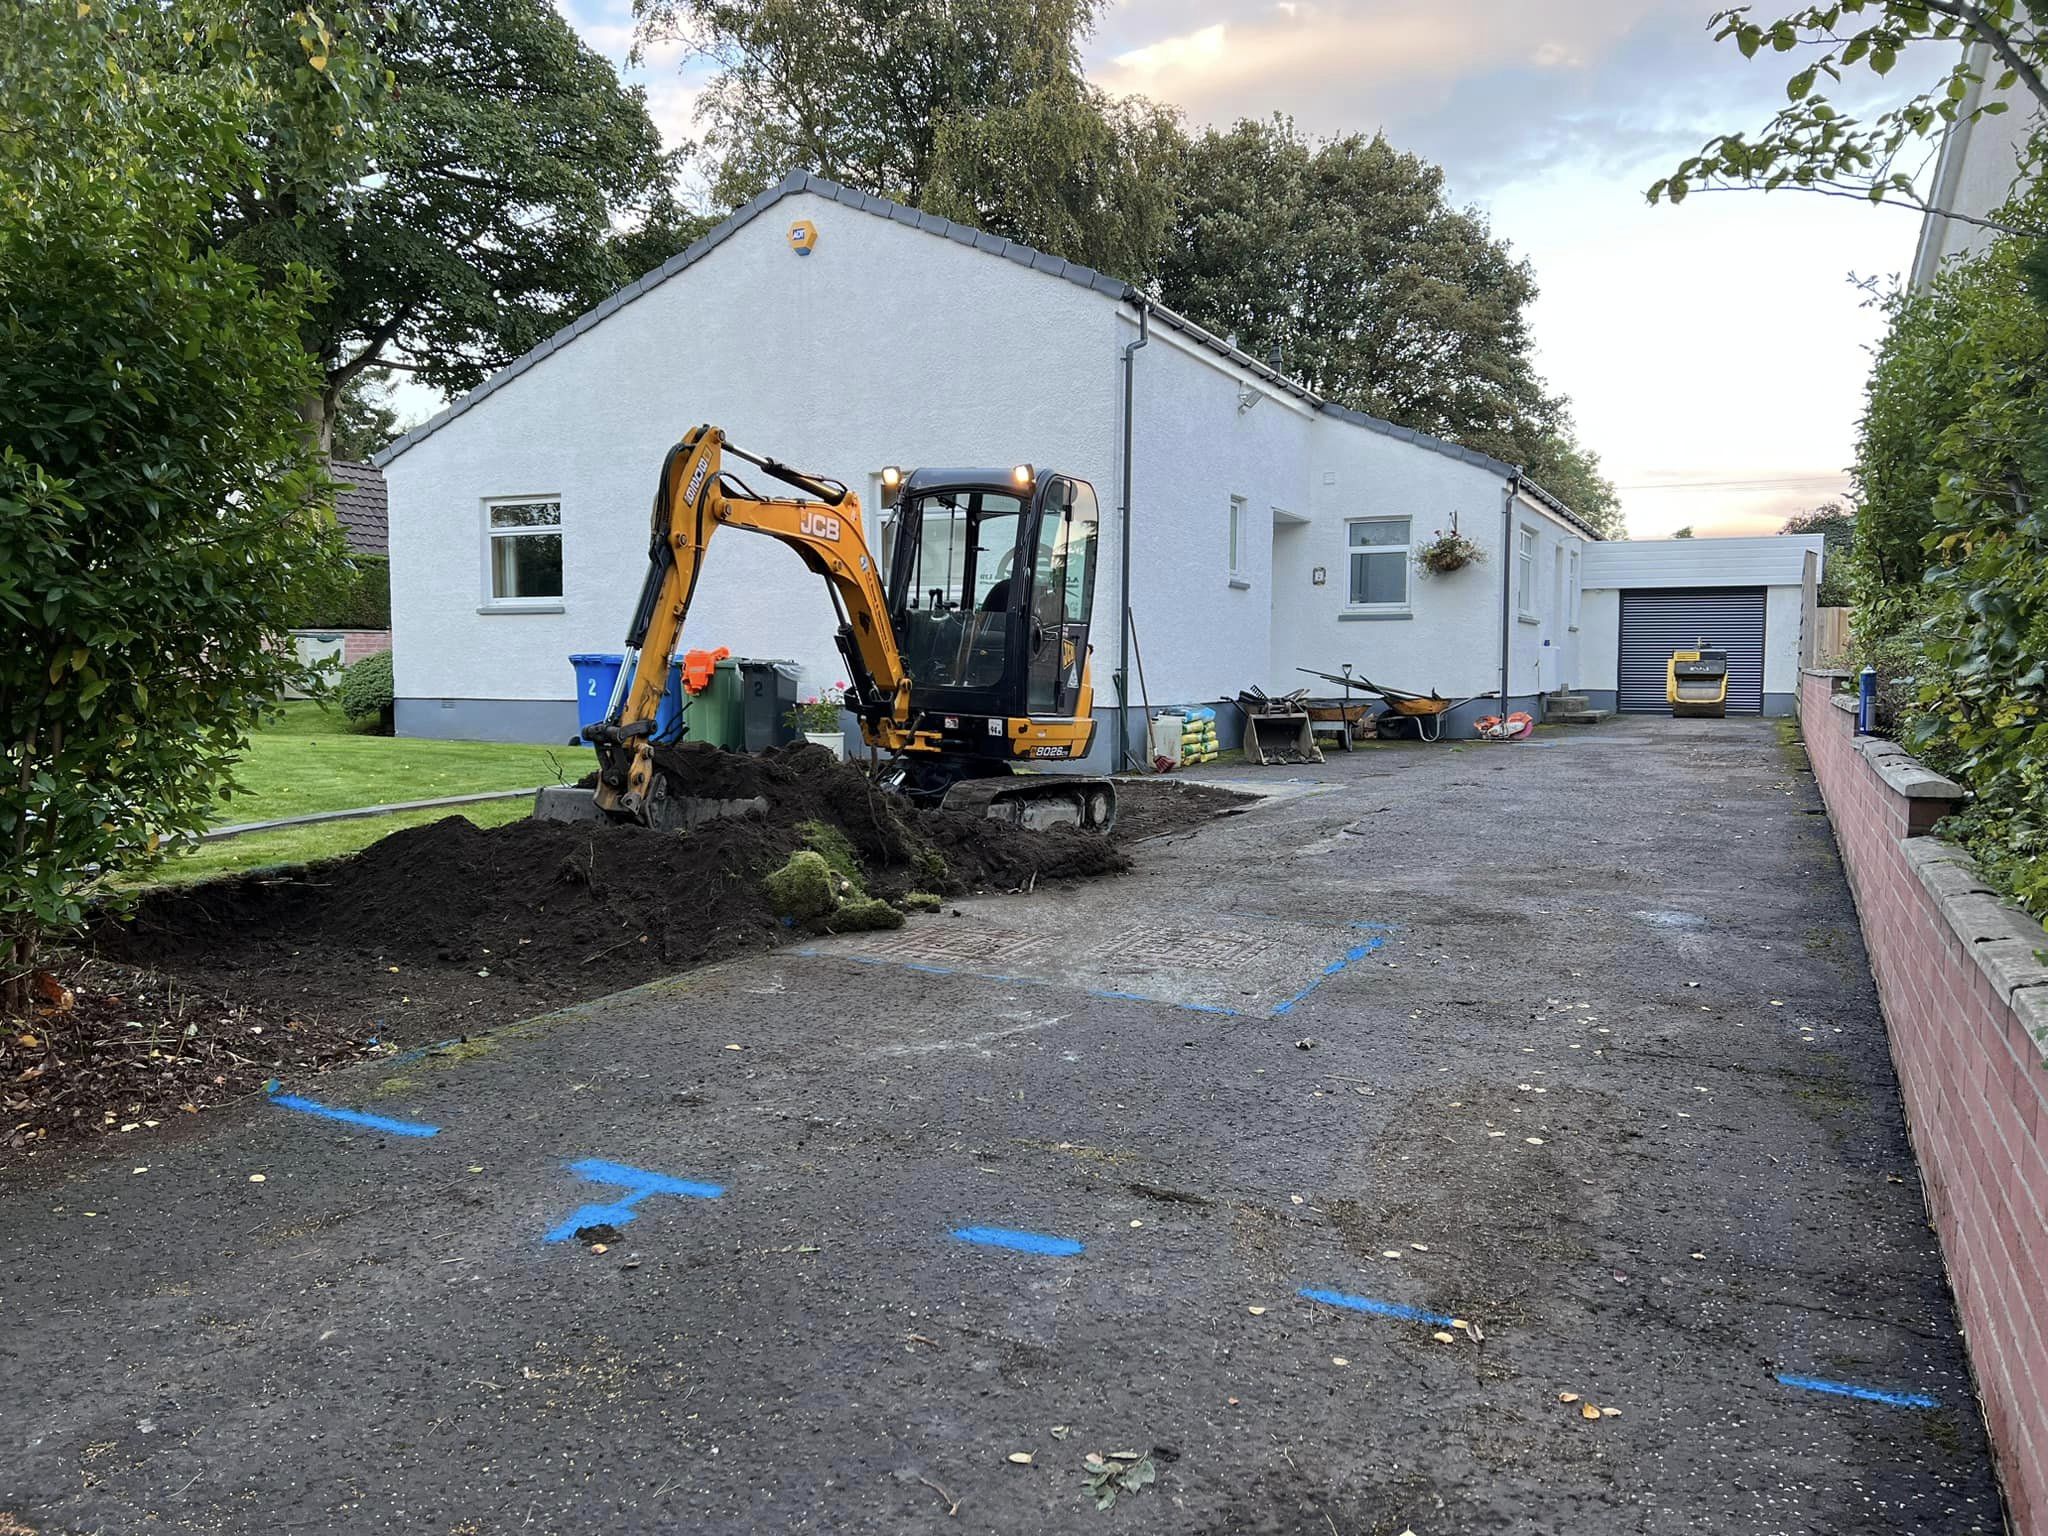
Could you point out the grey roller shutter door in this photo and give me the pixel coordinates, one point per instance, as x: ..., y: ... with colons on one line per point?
x: 1656, y: 623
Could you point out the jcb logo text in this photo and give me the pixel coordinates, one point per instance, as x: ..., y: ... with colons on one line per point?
x: 819, y: 525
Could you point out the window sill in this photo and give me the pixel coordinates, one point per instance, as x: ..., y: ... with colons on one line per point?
x: 1527, y: 618
x: 528, y: 605
x: 1367, y: 615
x: 1239, y: 584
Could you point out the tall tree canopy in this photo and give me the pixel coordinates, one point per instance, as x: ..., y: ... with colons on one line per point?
x: 860, y: 90
x: 479, y: 216
x: 1344, y: 258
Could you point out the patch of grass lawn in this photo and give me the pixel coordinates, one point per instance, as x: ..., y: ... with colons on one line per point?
x: 308, y: 760
x: 323, y: 840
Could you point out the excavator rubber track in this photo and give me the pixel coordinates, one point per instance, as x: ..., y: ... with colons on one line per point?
x: 1037, y: 801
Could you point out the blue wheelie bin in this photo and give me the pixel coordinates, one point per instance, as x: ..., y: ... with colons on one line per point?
x: 597, y: 673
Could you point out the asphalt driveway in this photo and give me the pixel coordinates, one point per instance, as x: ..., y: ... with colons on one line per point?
x: 1468, y: 1139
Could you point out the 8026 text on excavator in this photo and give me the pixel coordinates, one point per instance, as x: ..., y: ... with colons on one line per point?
x: 966, y: 646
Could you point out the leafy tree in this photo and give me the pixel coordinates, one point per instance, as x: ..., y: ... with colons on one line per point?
x: 1570, y: 471
x: 158, y: 496
x: 365, y: 421
x: 1068, y: 170
x: 1683, y: 533
x: 1343, y: 259
x: 1836, y: 525
x: 975, y: 109
x: 479, y: 219
x: 859, y: 90
x: 1813, y: 145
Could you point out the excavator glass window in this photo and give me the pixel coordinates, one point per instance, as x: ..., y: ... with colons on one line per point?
x: 959, y: 572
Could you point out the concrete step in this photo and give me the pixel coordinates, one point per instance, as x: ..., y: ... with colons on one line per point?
x: 1576, y: 716
x: 1554, y: 702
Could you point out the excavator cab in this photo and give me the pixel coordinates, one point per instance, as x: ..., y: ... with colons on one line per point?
x: 991, y: 584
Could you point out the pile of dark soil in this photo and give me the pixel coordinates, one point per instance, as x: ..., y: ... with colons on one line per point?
x: 450, y: 928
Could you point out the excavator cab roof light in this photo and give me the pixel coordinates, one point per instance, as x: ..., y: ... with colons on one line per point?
x: 1023, y: 474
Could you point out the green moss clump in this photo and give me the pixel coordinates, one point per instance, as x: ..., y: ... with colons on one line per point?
x: 921, y: 901
x: 830, y: 844
x: 862, y: 914
x: 802, y: 888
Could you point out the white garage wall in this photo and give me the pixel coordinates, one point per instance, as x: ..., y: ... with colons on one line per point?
x: 837, y: 362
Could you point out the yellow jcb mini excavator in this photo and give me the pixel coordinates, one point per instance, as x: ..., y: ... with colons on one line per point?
x: 967, y: 658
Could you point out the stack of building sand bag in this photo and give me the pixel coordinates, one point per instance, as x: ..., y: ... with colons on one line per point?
x: 1198, y: 736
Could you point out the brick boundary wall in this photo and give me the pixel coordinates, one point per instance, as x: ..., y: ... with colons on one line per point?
x: 358, y: 643
x: 1965, y: 1003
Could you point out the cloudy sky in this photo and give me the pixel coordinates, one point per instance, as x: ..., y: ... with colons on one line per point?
x: 1714, y: 352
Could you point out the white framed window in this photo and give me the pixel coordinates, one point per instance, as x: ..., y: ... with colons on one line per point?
x: 1557, y: 585
x: 1236, y: 534
x: 523, y: 552
x: 1525, y: 572
x: 1379, y: 562
x: 1571, y: 591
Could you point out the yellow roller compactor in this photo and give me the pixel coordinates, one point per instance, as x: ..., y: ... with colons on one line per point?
x: 967, y: 656
x: 1696, y: 683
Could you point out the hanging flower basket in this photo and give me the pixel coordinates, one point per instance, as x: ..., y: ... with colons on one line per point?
x: 1448, y: 552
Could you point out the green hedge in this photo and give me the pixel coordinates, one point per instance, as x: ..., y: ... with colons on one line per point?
x: 365, y: 693
x: 1951, y: 549
x: 357, y: 596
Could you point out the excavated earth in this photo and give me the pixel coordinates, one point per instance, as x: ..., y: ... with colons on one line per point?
x: 203, y: 992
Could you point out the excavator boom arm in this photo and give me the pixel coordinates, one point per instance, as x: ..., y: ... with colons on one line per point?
x: 696, y: 498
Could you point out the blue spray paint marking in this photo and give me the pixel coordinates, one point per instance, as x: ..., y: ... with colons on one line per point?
x: 1351, y: 957
x: 1864, y: 1394
x: 1393, y: 1309
x: 639, y: 1181
x: 1020, y: 1242
x: 354, y: 1116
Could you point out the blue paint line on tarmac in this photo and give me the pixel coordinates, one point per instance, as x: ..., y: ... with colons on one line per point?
x: 1376, y: 1307
x: 1352, y: 956
x: 1861, y: 1394
x: 639, y: 1184
x: 1019, y: 1242
x: 354, y: 1116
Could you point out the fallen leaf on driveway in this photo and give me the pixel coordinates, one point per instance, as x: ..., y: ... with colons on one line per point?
x: 1021, y: 1458
x: 1588, y: 1411
x: 1444, y: 1338
x: 1256, y: 1311
x: 1567, y: 1397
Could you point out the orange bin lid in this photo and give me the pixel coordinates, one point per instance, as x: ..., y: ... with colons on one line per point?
x: 698, y: 667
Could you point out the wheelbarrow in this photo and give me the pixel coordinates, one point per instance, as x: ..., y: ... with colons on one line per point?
x: 1426, y: 711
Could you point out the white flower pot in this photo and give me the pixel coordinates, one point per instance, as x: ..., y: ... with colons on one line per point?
x: 832, y: 741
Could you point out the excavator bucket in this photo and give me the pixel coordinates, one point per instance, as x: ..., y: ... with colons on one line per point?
x: 1277, y: 731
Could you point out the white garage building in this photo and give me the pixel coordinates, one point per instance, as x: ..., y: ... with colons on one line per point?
x: 1267, y: 529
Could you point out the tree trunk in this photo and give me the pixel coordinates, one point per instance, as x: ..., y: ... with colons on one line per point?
x: 317, y: 412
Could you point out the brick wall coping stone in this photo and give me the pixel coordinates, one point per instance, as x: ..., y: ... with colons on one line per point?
x: 2002, y: 941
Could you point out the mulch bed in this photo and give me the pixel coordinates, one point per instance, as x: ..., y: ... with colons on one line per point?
x: 204, y: 993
